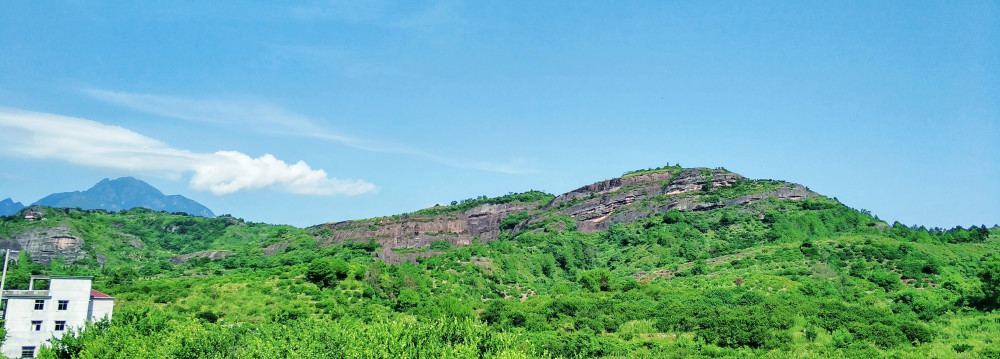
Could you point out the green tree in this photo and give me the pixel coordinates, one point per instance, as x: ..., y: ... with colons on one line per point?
x: 321, y: 272
x: 673, y: 216
x: 597, y: 280
x: 340, y: 268
x: 989, y: 274
x: 407, y: 299
x: 440, y: 245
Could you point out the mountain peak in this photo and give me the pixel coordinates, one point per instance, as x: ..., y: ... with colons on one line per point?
x: 9, y: 207
x: 125, y: 193
x: 125, y: 185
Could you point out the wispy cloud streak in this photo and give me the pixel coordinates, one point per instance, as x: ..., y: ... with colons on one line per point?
x: 93, y: 144
x: 269, y: 118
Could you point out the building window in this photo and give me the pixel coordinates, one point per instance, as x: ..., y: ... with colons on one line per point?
x: 36, y: 325
x: 60, y: 325
x: 27, y: 352
x: 63, y: 304
x: 39, y: 304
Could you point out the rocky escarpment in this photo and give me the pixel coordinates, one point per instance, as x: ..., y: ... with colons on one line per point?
x: 414, y: 231
x: 48, y: 243
x: 696, y: 203
x: 595, y: 206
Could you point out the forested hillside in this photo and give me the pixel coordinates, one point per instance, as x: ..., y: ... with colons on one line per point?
x: 666, y: 262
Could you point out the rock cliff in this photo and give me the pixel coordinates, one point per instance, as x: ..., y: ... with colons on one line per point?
x: 412, y: 231
x: 595, y: 207
x: 46, y: 244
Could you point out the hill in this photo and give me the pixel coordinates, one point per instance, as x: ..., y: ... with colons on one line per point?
x: 667, y: 262
x: 124, y: 193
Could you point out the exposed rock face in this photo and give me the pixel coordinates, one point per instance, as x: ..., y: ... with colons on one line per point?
x: 275, y: 248
x: 210, y: 254
x: 390, y: 257
x: 414, y: 231
x: 796, y: 192
x: 594, y: 206
x: 46, y: 244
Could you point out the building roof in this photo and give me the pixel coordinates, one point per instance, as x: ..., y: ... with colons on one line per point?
x: 49, y: 277
x: 94, y: 294
x: 26, y: 294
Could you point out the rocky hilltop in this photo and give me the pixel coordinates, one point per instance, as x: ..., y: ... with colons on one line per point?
x: 47, y: 243
x: 418, y: 230
x: 47, y: 233
x: 593, y: 207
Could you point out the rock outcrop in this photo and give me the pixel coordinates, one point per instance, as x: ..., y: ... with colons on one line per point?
x: 795, y: 192
x: 595, y: 207
x: 414, y: 231
x: 48, y: 243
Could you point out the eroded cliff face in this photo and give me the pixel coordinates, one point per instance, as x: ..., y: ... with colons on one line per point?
x: 692, y: 203
x: 414, y: 231
x: 597, y: 206
x: 46, y: 244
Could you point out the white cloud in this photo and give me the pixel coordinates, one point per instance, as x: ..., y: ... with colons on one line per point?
x: 211, y: 111
x: 231, y: 171
x: 269, y: 118
x: 93, y: 144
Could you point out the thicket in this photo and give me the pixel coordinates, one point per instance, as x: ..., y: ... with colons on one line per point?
x: 467, y: 204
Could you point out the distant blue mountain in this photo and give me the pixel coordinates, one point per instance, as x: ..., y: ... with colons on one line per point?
x: 125, y: 193
x: 9, y: 207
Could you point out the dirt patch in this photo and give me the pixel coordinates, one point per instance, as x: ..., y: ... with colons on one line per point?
x: 210, y: 255
x: 484, y: 263
x: 646, y: 277
x: 275, y: 248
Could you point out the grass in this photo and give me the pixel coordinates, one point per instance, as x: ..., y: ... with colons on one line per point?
x: 652, y: 170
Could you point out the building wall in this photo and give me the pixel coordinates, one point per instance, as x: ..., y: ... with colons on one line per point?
x: 77, y: 292
x: 101, y: 308
x: 21, y: 312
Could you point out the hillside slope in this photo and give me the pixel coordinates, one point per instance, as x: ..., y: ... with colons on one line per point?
x: 591, y: 208
x: 671, y: 262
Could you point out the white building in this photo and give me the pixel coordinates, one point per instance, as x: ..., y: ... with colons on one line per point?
x: 32, y: 317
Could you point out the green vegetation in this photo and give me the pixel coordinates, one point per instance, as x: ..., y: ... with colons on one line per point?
x: 775, y: 278
x: 747, y: 187
x: 467, y: 204
x: 666, y: 168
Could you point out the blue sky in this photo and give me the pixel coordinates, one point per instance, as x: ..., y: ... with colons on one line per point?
x: 333, y: 110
